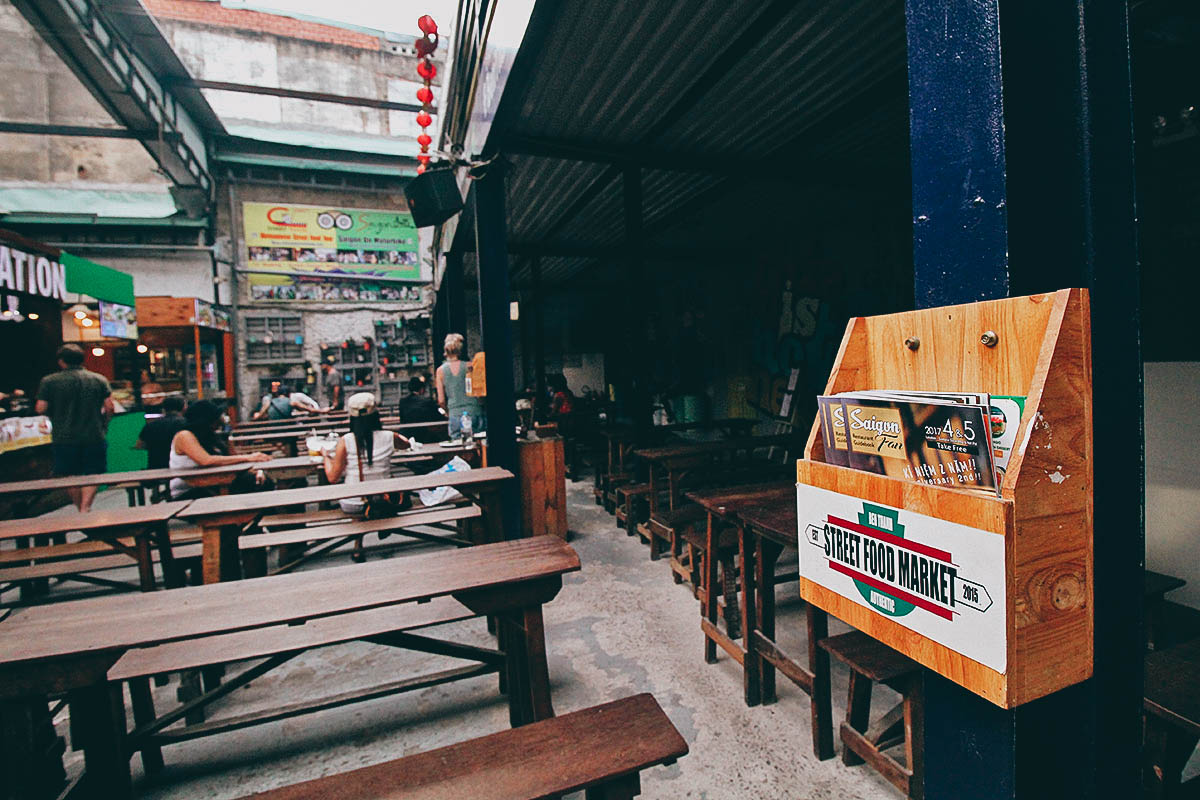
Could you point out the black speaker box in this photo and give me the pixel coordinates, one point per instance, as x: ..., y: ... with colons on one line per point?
x: 433, y: 197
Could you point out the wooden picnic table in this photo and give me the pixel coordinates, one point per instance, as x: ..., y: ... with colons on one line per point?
x: 70, y: 647
x: 138, y: 480
x: 671, y: 462
x: 222, y: 519
x: 320, y: 417
x: 297, y: 423
x: 763, y: 533
x: 143, y: 523
x: 291, y: 439
x: 623, y: 439
x: 720, y: 506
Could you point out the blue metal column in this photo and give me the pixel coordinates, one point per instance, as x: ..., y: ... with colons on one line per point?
x: 491, y: 248
x: 1023, y: 182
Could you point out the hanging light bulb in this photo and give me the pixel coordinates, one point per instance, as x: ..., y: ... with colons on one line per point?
x: 86, y: 322
x: 97, y: 351
x: 141, y: 348
x: 79, y: 310
x: 33, y: 315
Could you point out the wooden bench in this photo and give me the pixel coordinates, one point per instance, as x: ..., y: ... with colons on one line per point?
x: 70, y: 647
x: 1172, y: 705
x: 667, y: 527
x: 870, y: 662
x: 278, y: 644
x: 84, y: 569
x: 336, y: 535
x: 601, y: 750
x: 627, y: 496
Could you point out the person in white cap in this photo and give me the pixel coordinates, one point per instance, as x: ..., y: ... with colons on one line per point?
x: 365, y: 453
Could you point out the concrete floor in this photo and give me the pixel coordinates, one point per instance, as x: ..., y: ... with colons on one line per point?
x: 619, y: 627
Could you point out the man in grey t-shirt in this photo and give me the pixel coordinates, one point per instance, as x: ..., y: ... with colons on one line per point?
x: 79, y: 404
x: 331, y: 381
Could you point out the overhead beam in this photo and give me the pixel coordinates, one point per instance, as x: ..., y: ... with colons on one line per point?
x: 294, y: 94
x: 127, y: 87
x: 43, y: 129
x: 599, y: 154
x: 241, y: 150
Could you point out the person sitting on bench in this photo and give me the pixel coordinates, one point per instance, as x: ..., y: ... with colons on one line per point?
x: 198, y: 445
x: 365, y: 453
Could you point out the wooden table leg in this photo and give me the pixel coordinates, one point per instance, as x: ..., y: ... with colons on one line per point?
x: 752, y: 664
x: 28, y: 773
x: 821, y: 698
x: 710, y: 588
x: 527, y: 675
x: 145, y: 561
x: 766, y: 556
x: 220, y: 553
x: 99, y: 718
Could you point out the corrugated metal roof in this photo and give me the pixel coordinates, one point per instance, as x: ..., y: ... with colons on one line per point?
x: 795, y: 86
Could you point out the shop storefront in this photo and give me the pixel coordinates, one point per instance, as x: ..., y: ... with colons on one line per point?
x: 48, y: 297
x: 185, y: 347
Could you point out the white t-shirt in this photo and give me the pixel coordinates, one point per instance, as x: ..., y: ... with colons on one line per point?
x: 383, y: 445
x: 304, y: 401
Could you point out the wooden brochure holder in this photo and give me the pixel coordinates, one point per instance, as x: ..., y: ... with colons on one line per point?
x: 1041, y: 350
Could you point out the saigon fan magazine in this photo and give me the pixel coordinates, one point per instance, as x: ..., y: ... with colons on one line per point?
x: 958, y: 440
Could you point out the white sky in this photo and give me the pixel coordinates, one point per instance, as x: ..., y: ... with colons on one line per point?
x: 397, y: 16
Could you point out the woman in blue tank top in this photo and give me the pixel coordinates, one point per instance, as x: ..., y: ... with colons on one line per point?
x: 451, y: 384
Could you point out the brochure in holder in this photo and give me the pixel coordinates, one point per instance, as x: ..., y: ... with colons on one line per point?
x: 990, y: 590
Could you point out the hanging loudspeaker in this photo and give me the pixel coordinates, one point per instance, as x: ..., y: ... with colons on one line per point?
x: 433, y: 197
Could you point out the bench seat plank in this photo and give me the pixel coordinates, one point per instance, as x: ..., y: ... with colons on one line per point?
x: 358, y: 527
x: 115, y: 623
x: 83, y: 566
x: 263, y: 642
x: 551, y: 757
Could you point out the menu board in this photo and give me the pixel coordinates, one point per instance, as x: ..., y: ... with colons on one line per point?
x: 118, y: 321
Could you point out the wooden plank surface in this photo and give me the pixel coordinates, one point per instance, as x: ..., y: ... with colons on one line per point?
x: 92, y: 521
x: 209, y: 506
x: 144, y: 476
x: 302, y: 431
x: 776, y: 520
x: 117, y: 623
x: 715, y: 446
x: 424, y: 516
x: 263, y: 642
x: 726, y: 500
x: 547, y: 758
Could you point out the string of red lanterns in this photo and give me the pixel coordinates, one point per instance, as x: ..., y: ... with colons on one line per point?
x: 425, y: 68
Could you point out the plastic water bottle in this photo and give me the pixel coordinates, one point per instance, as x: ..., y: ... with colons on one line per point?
x: 465, y: 426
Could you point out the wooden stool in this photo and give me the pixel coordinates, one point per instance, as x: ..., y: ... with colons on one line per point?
x: 871, y: 662
x: 627, y: 497
x: 726, y: 582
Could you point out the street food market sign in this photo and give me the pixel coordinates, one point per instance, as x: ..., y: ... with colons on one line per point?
x: 939, y: 579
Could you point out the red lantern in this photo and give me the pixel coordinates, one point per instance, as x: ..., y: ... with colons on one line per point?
x: 420, y: 169
x: 425, y: 47
x: 425, y: 95
x: 423, y: 158
x: 426, y: 70
x: 424, y: 120
x: 427, y: 25
x: 424, y: 140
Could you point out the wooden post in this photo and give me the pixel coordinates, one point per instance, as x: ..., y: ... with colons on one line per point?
x: 199, y: 365
x: 1022, y: 182
x: 491, y: 247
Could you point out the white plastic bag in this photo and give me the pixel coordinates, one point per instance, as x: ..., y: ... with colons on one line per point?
x: 442, y: 494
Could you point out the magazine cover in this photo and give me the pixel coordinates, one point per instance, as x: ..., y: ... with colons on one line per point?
x: 941, y: 443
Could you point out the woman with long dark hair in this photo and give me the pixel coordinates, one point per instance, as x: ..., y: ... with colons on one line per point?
x: 365, y: 453
x: 198, y: 445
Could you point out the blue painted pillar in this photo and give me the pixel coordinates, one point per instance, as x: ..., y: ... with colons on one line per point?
x: 1022, y: 166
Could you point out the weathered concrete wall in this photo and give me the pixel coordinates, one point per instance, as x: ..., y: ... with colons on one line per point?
x: 323, y: 322
x: 222, y: 53
x: 39, y: 87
